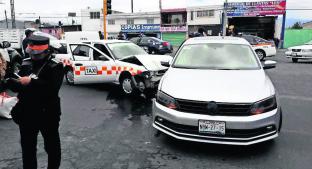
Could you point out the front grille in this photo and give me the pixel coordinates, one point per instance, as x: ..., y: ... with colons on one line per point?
x: 234, y: 133
x: 296, y: 50
x: 224, y: 109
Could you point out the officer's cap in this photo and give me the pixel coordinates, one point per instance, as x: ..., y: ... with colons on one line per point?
x: 37, y: 44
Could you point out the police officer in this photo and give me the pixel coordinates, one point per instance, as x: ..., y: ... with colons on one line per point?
x: 38, y: 109
x: 28, y: 33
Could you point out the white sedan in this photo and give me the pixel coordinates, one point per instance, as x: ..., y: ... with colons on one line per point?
x: 216, y: 91
x: 300, y: 52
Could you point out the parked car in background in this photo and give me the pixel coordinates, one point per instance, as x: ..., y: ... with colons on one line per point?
x: 262, y: 47
x: 300, y: 52
x: 230, y: 99
x: 153, y: 45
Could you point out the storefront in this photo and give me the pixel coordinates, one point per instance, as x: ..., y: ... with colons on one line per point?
x: 174, y: 25
x: 175, y: 35
x: 135, y: 30
x: 256, y: 18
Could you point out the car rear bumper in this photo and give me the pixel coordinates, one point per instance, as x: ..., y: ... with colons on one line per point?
x: 239, y: 130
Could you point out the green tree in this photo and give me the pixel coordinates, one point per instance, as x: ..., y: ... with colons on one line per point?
x: 297, y: 25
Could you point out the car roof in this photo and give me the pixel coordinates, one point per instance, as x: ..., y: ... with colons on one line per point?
x: 217, y: 39
x: 107, y: 41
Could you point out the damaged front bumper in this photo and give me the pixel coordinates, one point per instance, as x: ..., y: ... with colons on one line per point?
x: 148, y: 80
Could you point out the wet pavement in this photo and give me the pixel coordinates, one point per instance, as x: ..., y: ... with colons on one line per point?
x: 101, y: 129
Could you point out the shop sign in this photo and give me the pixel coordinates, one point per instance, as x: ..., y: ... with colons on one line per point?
x: 140, y: 28
x: 262, y: 8
x: 174, y: 29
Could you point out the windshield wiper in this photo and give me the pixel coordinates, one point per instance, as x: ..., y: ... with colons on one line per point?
x: 227, y: 69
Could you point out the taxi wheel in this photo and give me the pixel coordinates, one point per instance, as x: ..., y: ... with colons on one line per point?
x: 127, y: 85
x: 261, y: 54
x: 69, y: 76
x: 295, y: 60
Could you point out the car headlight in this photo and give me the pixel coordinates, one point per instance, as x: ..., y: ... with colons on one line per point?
x: 306, y: 50
x: 166, y: 100
x: 264, y: 106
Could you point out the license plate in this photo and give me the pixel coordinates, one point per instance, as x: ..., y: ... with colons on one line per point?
x: 91, y: 70
x: 211, y: 127
x: 294, y: 54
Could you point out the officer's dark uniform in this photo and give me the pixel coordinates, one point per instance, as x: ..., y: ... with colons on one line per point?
x: 38, y: 109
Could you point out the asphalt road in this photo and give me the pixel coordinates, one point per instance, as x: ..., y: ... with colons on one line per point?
x: 101, y: 129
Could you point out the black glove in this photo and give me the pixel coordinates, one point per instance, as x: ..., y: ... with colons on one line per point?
x: 3, y: 85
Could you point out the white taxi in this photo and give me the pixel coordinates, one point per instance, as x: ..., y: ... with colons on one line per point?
x: 303, y: 52
x: 113, y: 61
x: 262, y: 47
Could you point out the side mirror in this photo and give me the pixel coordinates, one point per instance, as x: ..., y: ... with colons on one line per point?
x: 269, y: 64
x: 165, y: 64
x: 6, y: 44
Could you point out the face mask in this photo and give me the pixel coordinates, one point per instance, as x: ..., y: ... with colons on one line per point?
x: 38, y: 57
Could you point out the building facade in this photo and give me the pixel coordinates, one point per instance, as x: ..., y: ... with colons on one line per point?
x: 307, y: 25
x: 134, y: 24
x: 174, y: 25
x: 207, y: 17
x: 130, y: 24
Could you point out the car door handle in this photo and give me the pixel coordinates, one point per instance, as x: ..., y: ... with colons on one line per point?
x: 78, y: 64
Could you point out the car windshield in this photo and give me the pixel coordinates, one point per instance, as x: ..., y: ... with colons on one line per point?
x: 122, y: 50
x: 217, y: 56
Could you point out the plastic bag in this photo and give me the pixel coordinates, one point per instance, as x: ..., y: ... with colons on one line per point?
x: 6, y: 105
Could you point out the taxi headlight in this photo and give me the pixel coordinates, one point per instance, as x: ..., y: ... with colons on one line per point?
x: 166, y: 100
x: 264, y: 106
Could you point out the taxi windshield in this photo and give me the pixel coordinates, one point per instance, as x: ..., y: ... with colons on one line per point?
x: 122, y: 50
x: 216, y: 56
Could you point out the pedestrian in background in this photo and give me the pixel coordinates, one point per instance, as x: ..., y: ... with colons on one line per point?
x: 121, y: 36
x: 101, y: 35
x: 38, y: 109
x: 3, y: 67
x: 28, y: 33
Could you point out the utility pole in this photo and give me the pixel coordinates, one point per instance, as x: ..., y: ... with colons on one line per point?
x: 131, y: 6
x: 225, y: 18
x: 104, y: 17
x: 6, y: 19
x: 13, y: 14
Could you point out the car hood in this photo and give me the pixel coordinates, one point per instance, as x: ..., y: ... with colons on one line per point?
x: 153, y: 62
x: 234, y: 86
x: 301, y: 47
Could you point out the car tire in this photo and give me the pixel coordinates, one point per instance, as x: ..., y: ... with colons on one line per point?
x: 127, y: 85
x: 152, y: 51
x: 295, y: 60
x: 281, y: 122
x: 261, y: 54
x: 69, y: 76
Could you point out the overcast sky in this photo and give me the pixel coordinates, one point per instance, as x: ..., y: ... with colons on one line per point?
x: 58, y: 8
